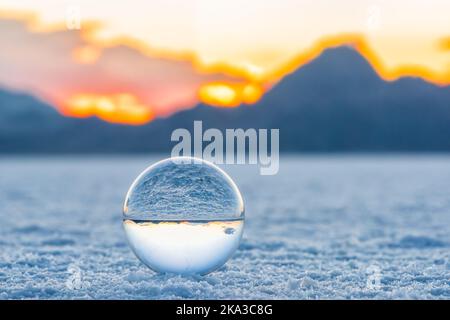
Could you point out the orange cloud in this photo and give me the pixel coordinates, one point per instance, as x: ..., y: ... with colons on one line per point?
x: 86, y: 54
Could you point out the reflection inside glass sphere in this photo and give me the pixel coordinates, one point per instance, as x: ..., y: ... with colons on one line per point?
x: 183, y: 215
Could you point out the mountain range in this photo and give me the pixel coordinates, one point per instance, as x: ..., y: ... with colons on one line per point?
x: 335, y: 103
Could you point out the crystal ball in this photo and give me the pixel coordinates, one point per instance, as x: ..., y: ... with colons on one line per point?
x: 183, y: 215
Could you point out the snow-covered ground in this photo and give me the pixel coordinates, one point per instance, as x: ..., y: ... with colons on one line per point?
x: 324, y: 227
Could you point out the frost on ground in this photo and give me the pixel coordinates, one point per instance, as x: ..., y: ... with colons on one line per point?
x: 324, y: 227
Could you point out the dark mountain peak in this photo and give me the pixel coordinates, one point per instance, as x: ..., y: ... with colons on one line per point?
x: 23, y: 103
x: 20, y: 112
x: 334, y: 67
x: 342, y: 59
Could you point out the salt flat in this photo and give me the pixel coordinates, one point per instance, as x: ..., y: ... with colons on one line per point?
x: 323, y: 227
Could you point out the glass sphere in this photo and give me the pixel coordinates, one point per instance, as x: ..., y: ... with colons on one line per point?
x: 183, y: 215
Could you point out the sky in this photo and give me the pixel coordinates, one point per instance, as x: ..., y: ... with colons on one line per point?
x: 130, y: 61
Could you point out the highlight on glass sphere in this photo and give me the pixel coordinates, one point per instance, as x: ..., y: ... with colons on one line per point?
x: 183, y: 215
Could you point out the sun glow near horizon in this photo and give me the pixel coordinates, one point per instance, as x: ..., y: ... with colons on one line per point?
x: 116, y: 108
x: 129, y: 66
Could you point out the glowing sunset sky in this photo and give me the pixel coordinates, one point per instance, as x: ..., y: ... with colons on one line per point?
x: 149, y: 58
